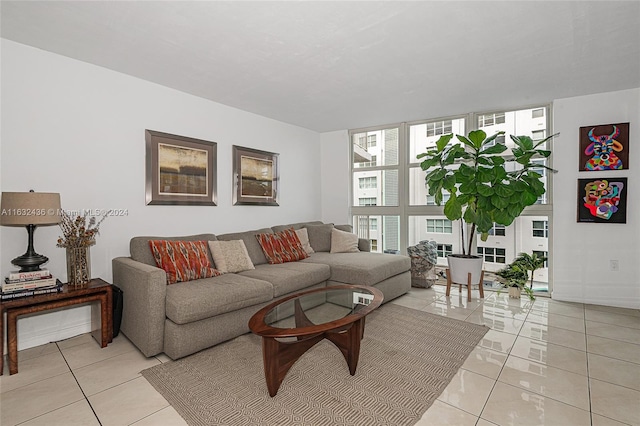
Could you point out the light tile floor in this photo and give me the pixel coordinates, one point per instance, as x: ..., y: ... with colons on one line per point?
x: 542, y: 363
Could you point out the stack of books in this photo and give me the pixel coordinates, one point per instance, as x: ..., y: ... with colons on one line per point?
x: 23, y: 284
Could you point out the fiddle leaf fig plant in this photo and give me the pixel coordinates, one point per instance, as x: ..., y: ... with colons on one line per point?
x: 485, y: 186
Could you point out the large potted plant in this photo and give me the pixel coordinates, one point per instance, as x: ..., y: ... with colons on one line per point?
x: 486, y: 184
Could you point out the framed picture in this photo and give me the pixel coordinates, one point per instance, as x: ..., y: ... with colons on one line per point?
x: 255, y: 177
x: 604, y: 147
x: 180, y: 170
x: 602, y: 200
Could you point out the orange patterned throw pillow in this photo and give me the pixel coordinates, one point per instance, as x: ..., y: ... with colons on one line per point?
x: 282, y: 247
x: 183, y: 260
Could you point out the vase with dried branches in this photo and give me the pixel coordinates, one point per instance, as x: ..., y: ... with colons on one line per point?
x: 78, y: 235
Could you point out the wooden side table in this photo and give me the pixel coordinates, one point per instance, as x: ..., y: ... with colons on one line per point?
x: 95, y: 290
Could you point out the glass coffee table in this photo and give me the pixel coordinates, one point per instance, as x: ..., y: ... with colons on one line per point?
x: 292, y: 325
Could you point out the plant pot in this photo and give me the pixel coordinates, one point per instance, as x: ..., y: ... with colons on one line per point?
x: 460, y: 266
x: 78, y: 266
x: 515, y: 292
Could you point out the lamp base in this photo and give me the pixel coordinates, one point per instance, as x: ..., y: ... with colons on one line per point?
x: 30, y: 262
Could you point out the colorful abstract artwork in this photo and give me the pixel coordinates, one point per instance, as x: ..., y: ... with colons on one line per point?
x: 604, y: 147
x: 602, y: 200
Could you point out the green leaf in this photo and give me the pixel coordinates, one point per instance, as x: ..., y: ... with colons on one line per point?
x: 468, y: 187
x: 495, y: 149
x: 477, y: 137
x: 498, y: 161
x: 515, y: 209
x: 493, y: 137
x: 529, y: 198
x: 503, y: 190
x: 543, y: 152
x: 499, y: 202
x: 469, y: 215
x: 484, y: 222
x: 524, y: 142
x: 452, y: 208
x: 465, y: 170
x: 485, y: 161
x: 465, y: 141
x: 430, y: 162
x: 443, y: 141
x: 503, y: 217
x: 484, y: 190
x: 484, y: 236
x: 449, y: 182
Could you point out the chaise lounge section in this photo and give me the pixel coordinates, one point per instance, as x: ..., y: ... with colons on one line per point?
x: 186, y: 317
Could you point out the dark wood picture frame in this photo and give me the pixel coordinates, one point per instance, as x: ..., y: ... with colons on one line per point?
x: 602, y: 200
x: 612, y: 152
x: 180, y: 170
x: 256, y: 177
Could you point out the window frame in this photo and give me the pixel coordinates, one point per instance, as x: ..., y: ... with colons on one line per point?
x: 405, y: 210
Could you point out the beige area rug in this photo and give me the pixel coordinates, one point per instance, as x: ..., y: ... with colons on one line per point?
x: 407, y: 358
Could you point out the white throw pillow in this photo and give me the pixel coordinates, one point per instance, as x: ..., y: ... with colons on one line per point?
x: 343, y: 242
x: 303, y: 236
x: 230, y: 256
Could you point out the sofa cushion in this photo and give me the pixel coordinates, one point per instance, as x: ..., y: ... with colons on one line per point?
x: 303, y: 236
x: 320, y: 236
x: 183, y: 260
x: 298, y: 225
x: 230, y: 256
x: 282, y: 247
x: 251, y: 243
x: 141, y: 252
x: 291, y: 276
x: 362, y: 268
x: 208, y: 297
x: 343, y: 242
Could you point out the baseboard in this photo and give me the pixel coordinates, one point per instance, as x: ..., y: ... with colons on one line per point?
x: 617, y: 302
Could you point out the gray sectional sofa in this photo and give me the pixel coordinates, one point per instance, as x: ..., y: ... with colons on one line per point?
x: 184, y: 318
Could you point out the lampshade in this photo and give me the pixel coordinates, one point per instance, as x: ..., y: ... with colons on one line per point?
x: 29, y: 208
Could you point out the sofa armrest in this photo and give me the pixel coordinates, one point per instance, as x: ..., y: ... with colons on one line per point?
x: 144, y: 290
x: 364, y: 245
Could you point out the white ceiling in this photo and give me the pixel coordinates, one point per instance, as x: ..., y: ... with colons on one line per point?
x: 339, y: 65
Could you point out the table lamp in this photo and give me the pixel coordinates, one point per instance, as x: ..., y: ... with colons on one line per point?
x: 29, y: 209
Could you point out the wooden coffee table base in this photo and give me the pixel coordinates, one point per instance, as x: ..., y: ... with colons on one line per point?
x: 280, y: 356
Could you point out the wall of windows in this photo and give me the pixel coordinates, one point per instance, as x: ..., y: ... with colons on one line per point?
x: 406, y: 214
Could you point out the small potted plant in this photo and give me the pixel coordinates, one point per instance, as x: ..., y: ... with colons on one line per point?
x: 514, y: 277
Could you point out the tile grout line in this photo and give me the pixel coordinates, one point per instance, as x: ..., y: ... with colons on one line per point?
x: 80, y: 387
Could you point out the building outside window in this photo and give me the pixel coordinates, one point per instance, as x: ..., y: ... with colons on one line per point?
x: 439, y: 226
x: 486, y: 120
x: 444, y: 250
x: 493, y: 255
x: 438, y: 128
x: 369, y: 201
x: 370, y: 182
x: 541, y: 228
x: 537, y: 113
x: 497, y: 230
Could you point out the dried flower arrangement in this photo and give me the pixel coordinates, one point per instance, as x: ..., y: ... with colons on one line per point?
x: 76, y: 232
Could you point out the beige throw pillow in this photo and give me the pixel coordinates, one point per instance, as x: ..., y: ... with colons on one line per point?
x: 230, y: 256
x: 343, y: 242
x: 303, y: 236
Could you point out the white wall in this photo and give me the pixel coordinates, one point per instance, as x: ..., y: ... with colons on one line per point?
x: 582, y: 251
x: 78, y: 129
